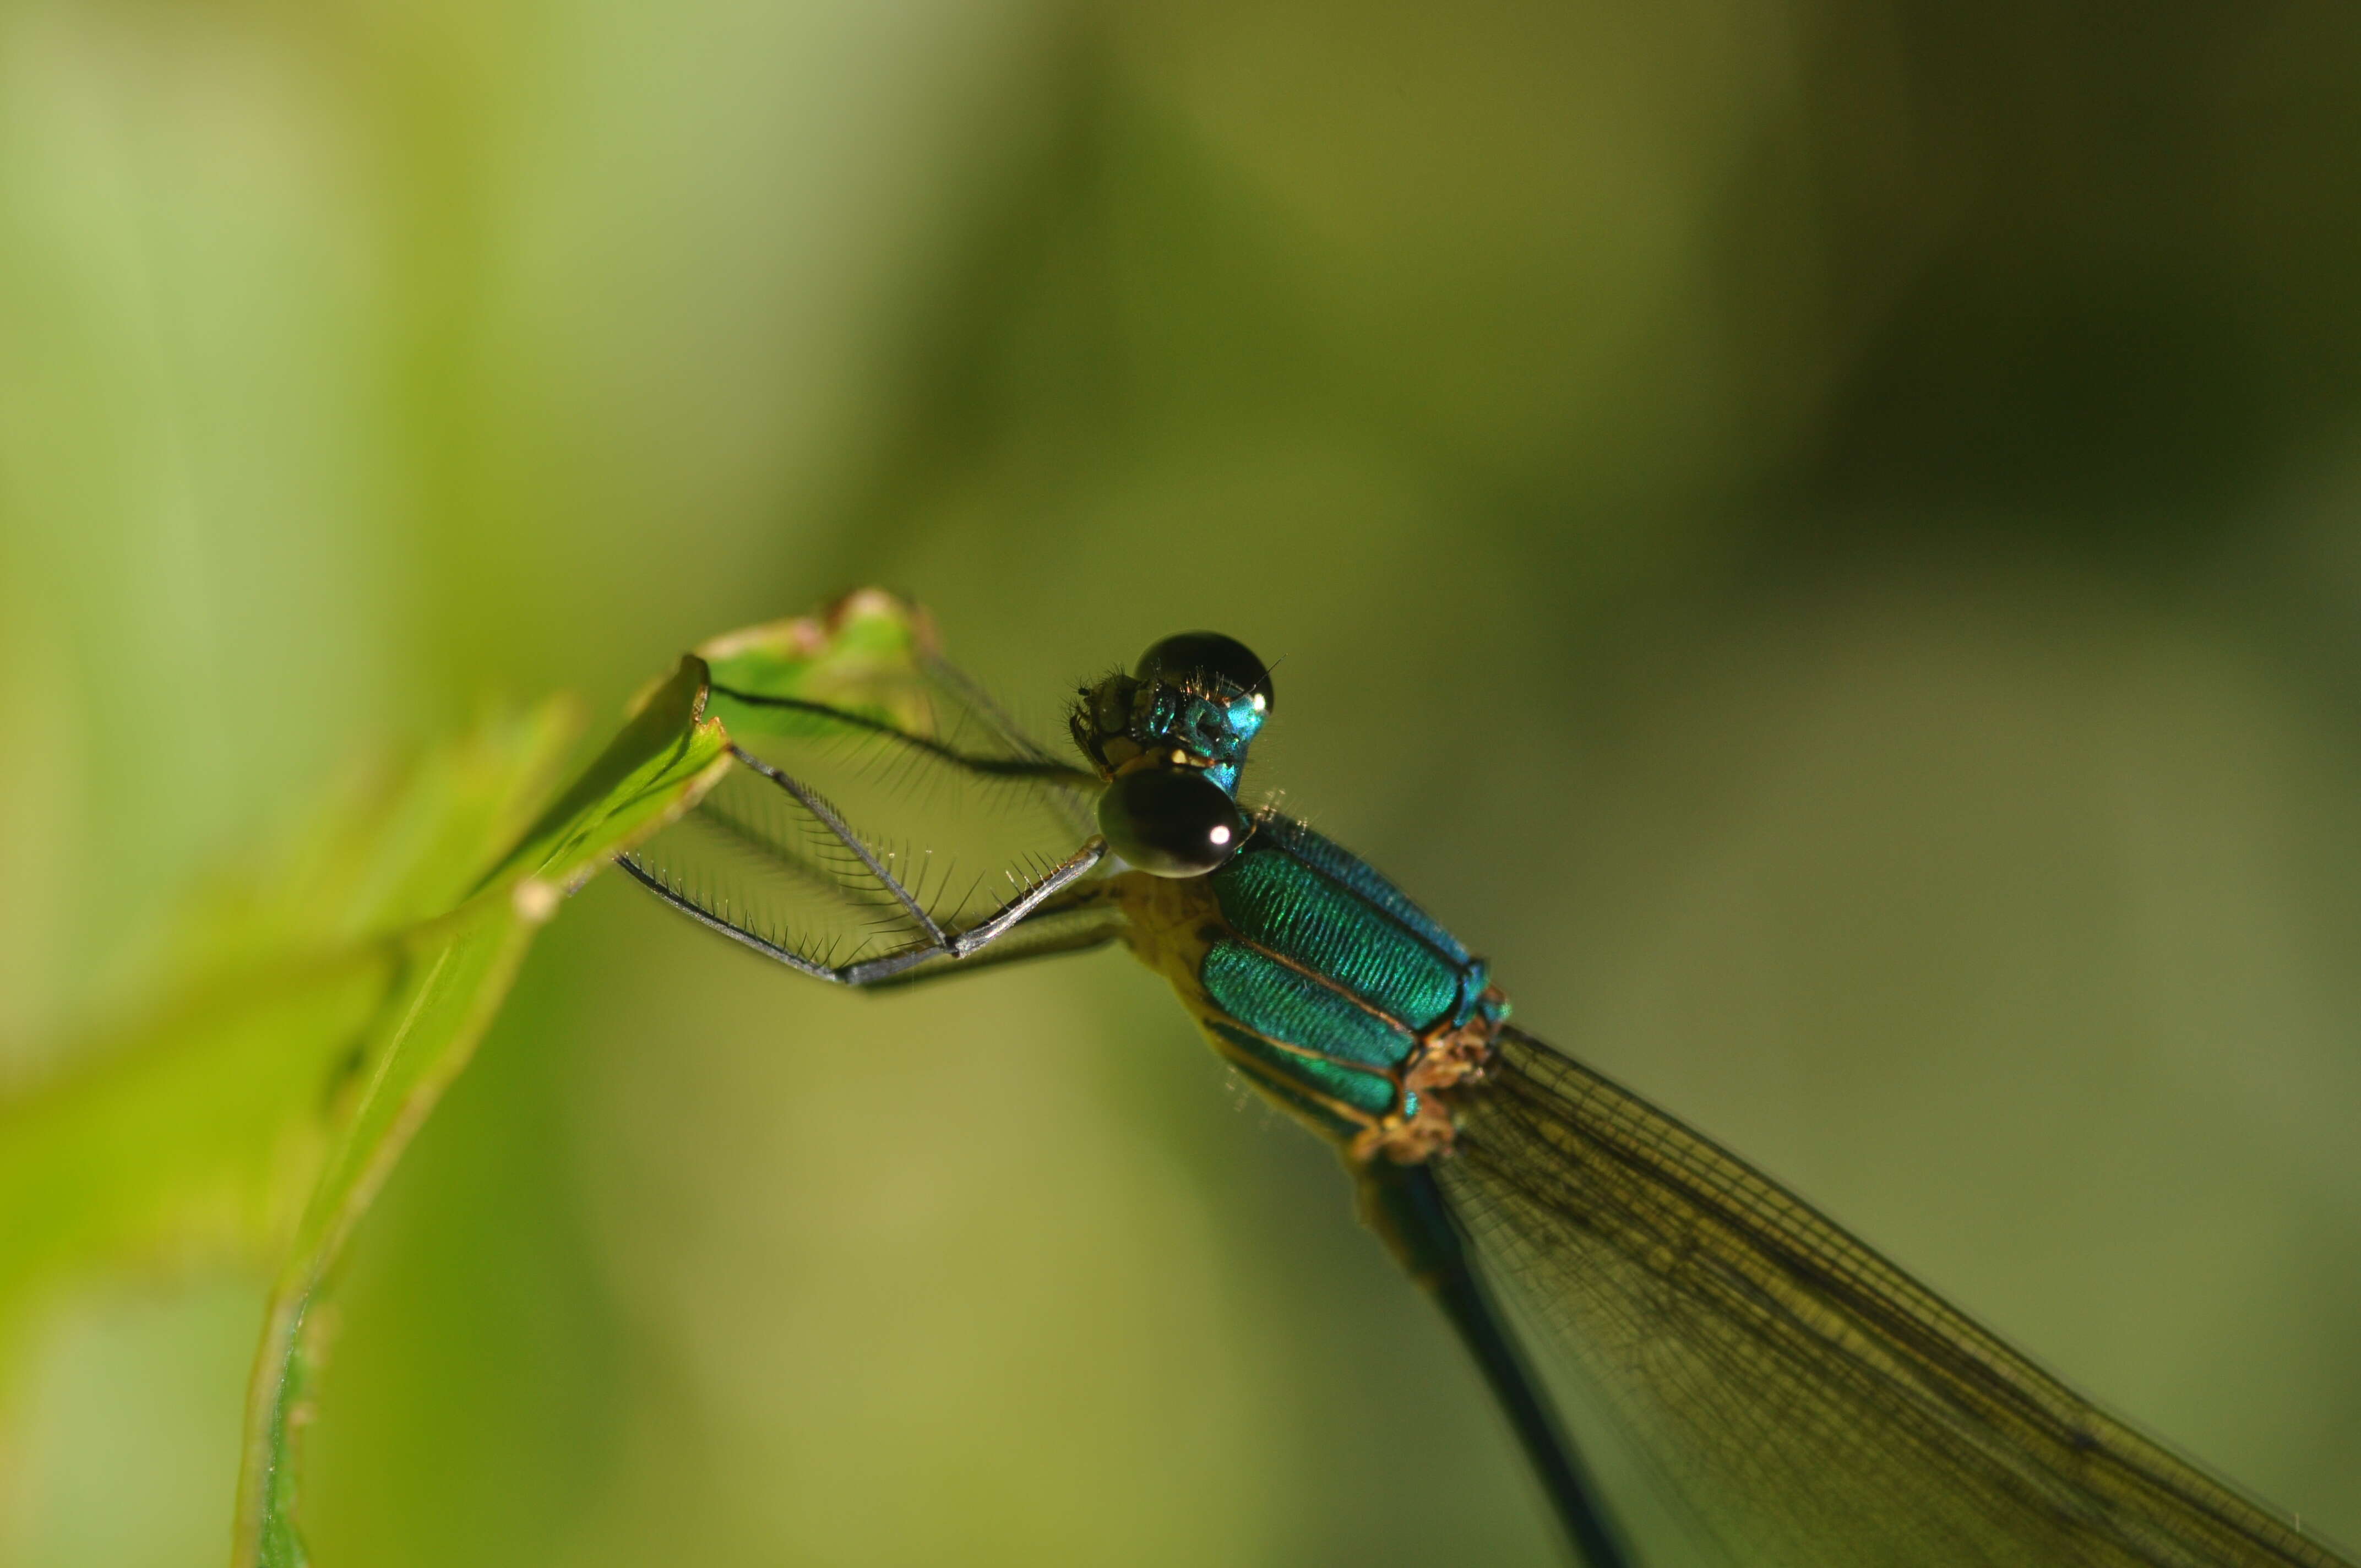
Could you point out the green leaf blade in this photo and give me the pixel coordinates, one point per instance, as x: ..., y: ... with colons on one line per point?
x: 454, y: 974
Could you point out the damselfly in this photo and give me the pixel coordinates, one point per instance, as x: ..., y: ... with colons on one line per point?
x: 1797, y: 1398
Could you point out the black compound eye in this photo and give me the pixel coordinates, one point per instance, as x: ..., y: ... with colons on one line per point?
x: 1208, y: 654
x: 1171, y: 822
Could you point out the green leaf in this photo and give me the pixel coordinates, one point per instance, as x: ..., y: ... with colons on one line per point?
x: 450, y: 976
x: 318, y: 1009
x: 865, y: 653
x: 195, y: 1131
x: 633, y: 787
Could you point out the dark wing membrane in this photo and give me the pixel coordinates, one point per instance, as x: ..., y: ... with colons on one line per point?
x: 1805, y: 1401
x: 780, y: 852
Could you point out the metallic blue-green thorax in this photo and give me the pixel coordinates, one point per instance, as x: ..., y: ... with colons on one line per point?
x: 1328, y: 986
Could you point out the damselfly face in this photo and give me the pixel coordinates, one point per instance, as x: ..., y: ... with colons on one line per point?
x: 1169, y: 738
x: 1196, y: 700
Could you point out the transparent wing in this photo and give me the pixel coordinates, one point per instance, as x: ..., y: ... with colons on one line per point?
x: 1804, y: 1402
x: 787, y: 852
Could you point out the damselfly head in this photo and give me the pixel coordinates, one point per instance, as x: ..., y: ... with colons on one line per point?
x: 1192, y: 702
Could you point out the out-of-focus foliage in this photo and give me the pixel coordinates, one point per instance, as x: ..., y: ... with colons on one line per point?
x: 198, y: 1128
x: 443, y: 981
x: 1820, y: 535
x: 319, y: 1015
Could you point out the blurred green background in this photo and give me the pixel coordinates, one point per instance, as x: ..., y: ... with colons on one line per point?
x: 1820, y: 533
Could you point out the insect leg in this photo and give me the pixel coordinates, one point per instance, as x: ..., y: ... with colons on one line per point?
x: 960, y: 945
